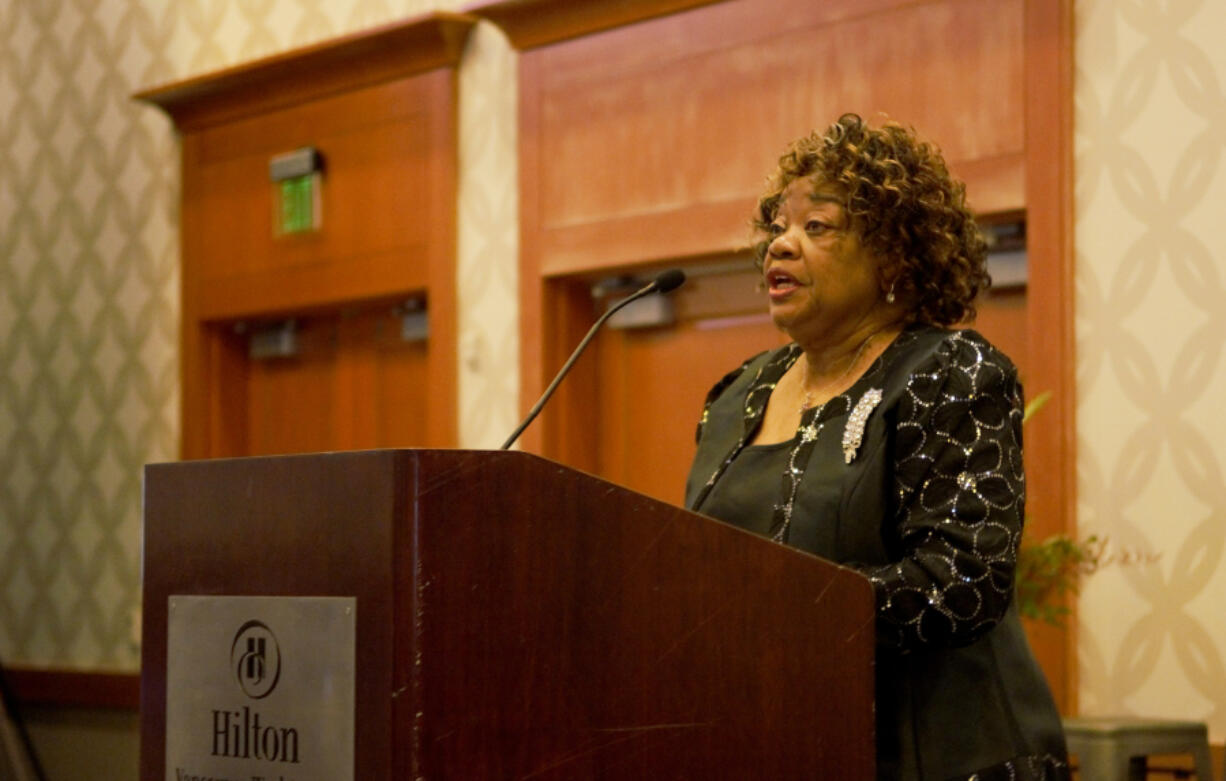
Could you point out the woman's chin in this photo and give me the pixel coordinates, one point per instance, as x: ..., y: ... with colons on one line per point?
x: 784, y: 318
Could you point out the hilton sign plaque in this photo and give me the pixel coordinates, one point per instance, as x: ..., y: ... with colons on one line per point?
x: 260, y: 688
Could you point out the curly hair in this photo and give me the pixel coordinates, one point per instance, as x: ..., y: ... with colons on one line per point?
x: 905, y: 207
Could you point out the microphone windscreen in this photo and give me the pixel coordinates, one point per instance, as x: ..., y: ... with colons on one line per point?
x: 669, y: 280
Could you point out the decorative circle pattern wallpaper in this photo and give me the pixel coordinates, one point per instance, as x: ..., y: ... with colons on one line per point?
x: 1150, y: 130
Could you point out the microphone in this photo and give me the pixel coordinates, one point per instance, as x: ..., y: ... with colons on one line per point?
x: 665, y: 282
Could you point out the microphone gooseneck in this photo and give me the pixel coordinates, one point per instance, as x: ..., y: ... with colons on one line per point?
x: 664, y: 282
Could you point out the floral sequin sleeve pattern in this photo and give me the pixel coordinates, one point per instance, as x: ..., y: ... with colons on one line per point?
x: 960, y: 499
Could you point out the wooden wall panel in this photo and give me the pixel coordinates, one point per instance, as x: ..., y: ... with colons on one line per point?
x: 667, y: 130
x: 647, y: 145
x: 400, y: 391
x: 1002, y: 319
x: 354, y: 385
x: 652, y: 382
x: 651, y: 142
x: 381, y: 110
x: 378, y: 216
x: 291, y: 401
x: 533, y: 23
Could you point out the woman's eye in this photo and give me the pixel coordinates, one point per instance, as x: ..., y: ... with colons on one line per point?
x: 813, y: 226
x: 775, y: 229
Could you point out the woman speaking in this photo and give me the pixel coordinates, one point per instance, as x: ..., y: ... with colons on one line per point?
x: 883, y: 440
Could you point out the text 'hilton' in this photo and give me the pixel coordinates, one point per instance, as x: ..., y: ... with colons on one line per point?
x: 239, y: 734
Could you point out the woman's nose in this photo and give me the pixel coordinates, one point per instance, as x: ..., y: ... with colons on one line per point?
x: 783, y: 245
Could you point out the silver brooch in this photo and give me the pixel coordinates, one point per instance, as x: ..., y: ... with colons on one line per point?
x: 853, y: 435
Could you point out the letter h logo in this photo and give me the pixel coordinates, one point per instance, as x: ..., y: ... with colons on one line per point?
x: 255, y: 659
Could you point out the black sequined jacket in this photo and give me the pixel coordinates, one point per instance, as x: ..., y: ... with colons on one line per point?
x: 914, y: 477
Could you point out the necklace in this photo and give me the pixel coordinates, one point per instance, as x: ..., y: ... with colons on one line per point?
x: 807, y: 402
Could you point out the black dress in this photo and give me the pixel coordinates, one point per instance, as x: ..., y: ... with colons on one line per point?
x: 913, y: 477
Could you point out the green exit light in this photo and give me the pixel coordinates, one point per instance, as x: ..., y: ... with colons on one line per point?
x: 298, y: 204
x: 295, y: 179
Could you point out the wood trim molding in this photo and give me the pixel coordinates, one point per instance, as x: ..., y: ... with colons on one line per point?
x: 49, y: 686
x: 306, y: 287
x: 532, y: 316
x: 532, y: 23
x: 1051, y: 457
x: 340, y: 64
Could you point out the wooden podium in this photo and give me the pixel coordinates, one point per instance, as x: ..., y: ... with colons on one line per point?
x: 517, y: 619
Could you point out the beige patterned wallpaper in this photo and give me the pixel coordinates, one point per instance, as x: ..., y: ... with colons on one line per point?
x: 487, y: 279
x: 87, y: 323
x: 1150, y: 128
x: 88, y: 283
x: 88, y: 312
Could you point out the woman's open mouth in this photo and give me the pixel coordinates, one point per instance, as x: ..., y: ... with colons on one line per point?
x: 780, y: 284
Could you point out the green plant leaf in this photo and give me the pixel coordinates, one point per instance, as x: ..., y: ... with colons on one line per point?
x: 1049, y: 569
x: 1035, y: 404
